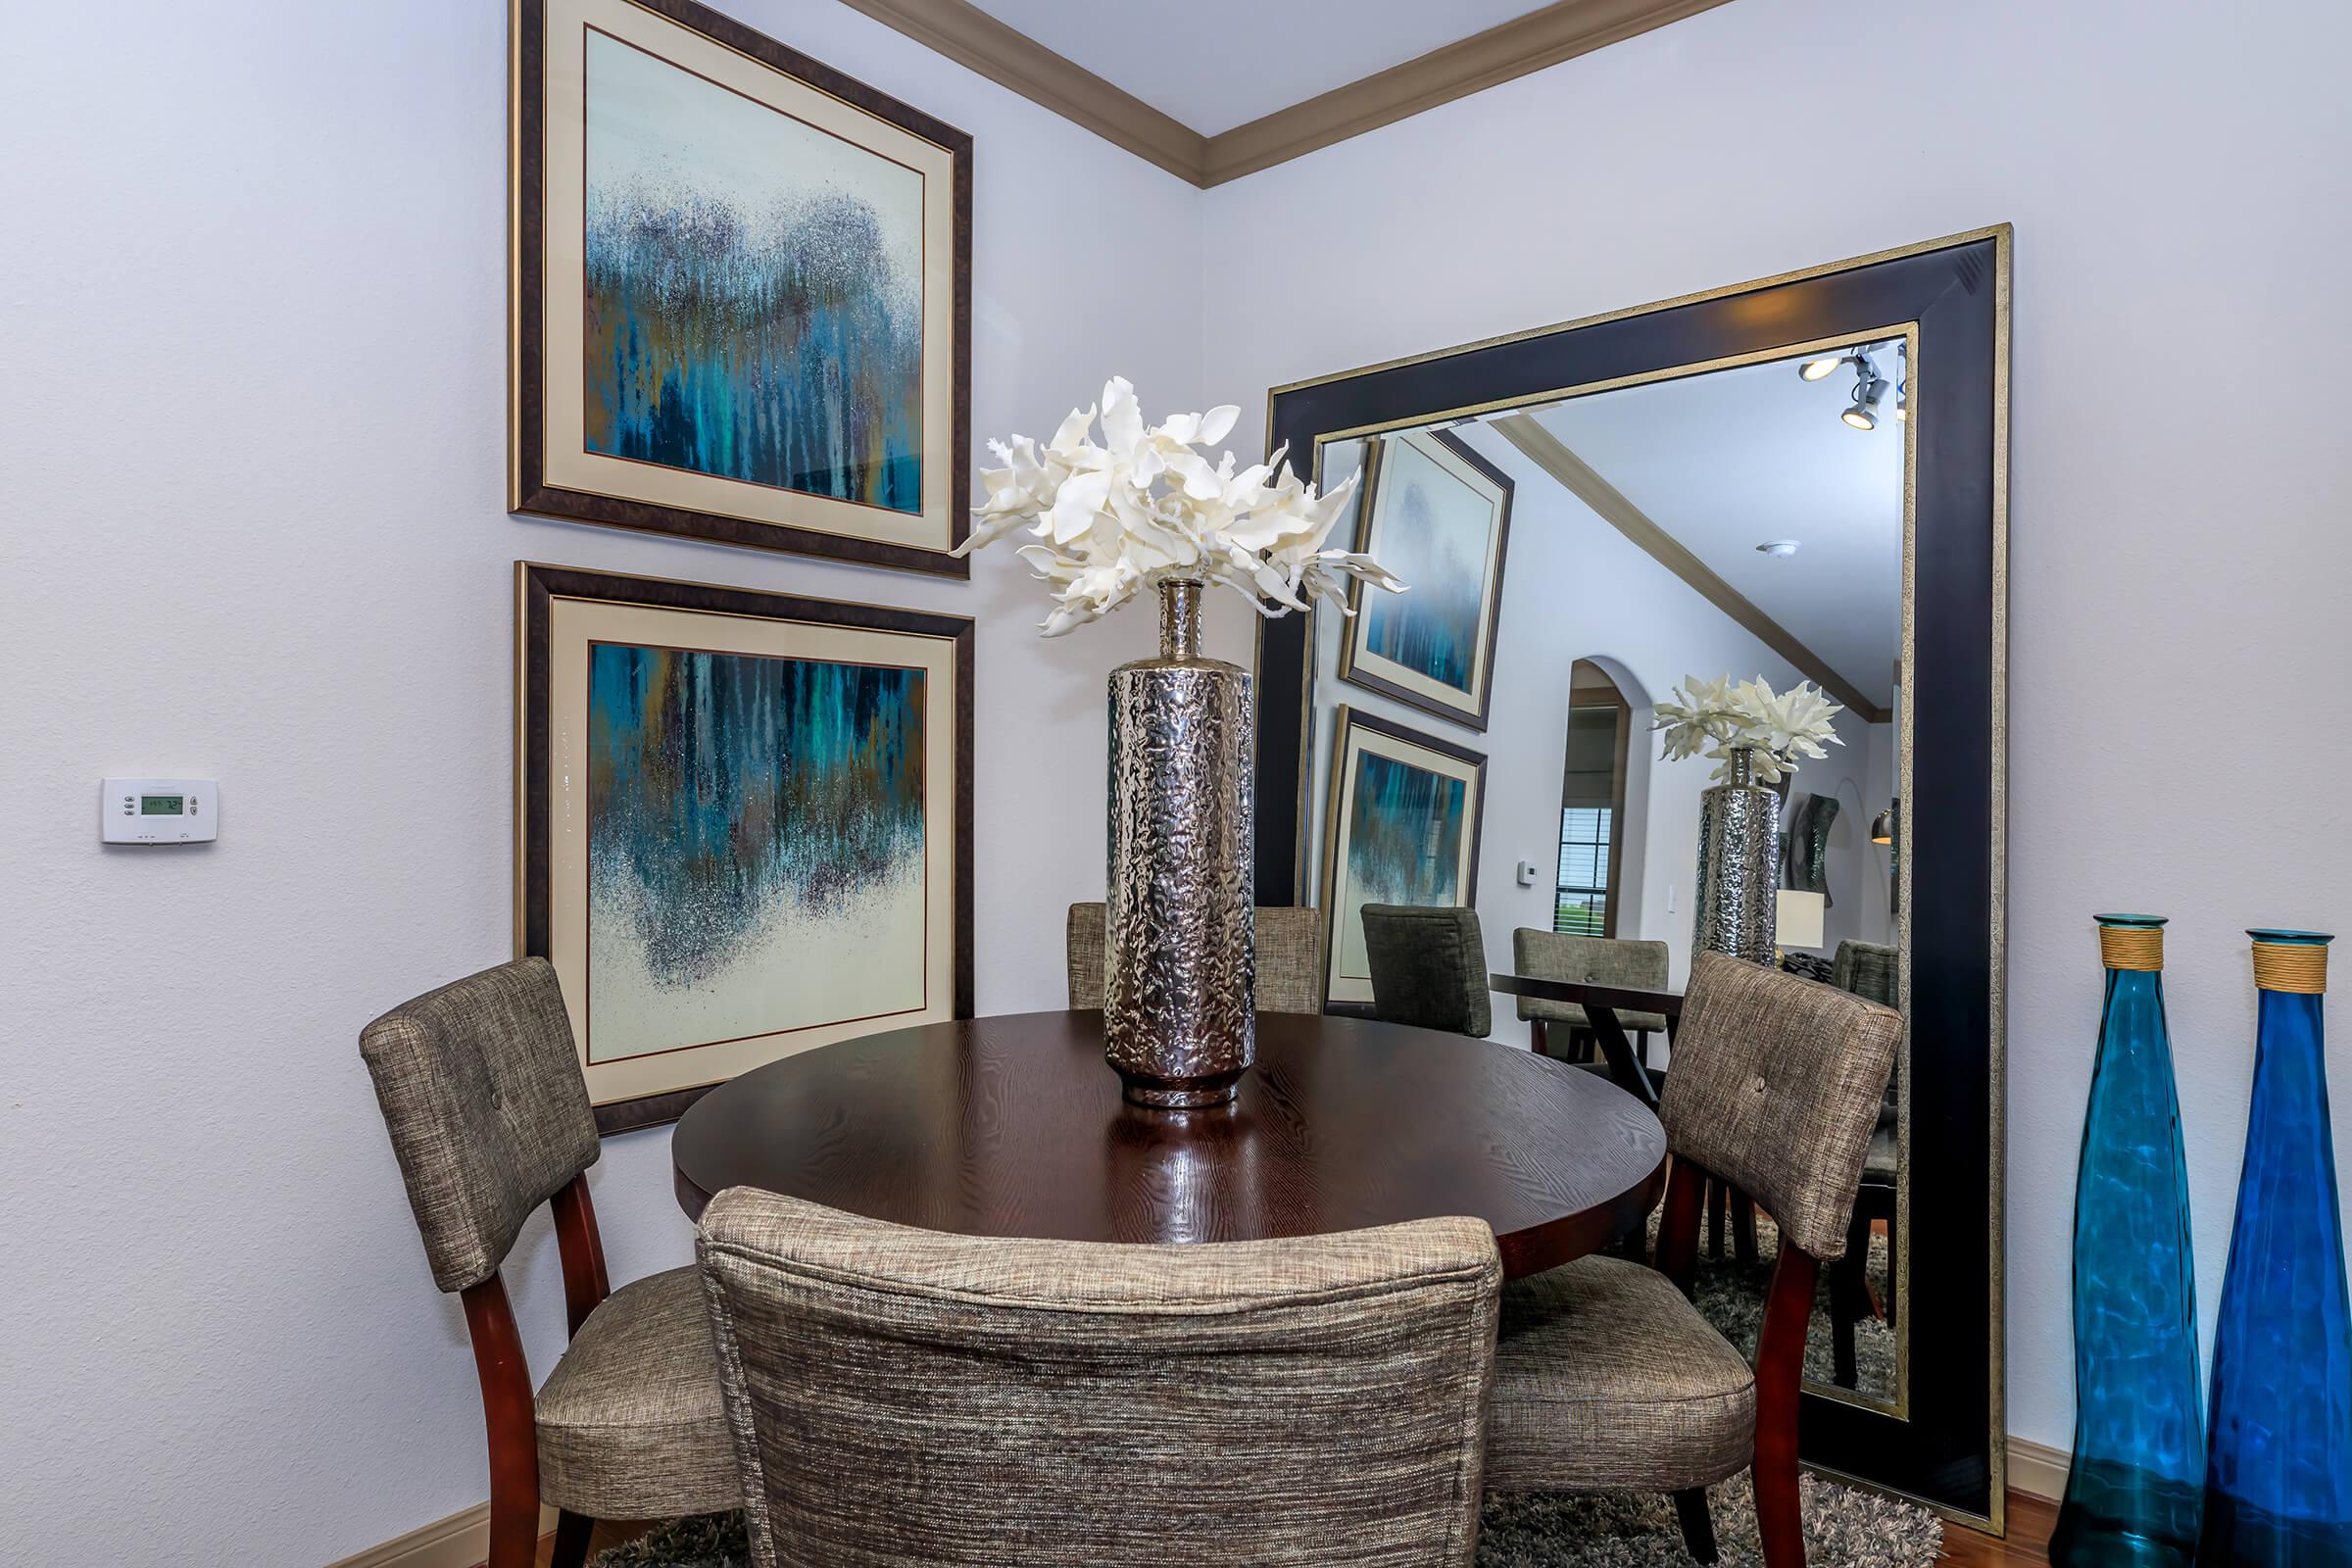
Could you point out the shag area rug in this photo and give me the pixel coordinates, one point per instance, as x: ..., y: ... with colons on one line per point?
x: 1730, y: 1296
x: 1844, y: 1527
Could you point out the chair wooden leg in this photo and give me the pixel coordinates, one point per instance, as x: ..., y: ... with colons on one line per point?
x: 513, y: 1524
x: 572, y: 1541
x: 1887, y: 1305
x: 1743, y: 1227
x: 1699, y: 1525
x: 1849, y: 1300
x: 1780, y: 1372
x: 1718, y: 1203
x: 507, y: 1409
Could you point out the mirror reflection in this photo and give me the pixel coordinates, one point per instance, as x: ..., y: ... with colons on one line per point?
x: 1571, y: 565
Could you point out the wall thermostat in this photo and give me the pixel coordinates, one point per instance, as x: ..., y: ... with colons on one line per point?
x: 159, y: 811
x: 1527, y: 873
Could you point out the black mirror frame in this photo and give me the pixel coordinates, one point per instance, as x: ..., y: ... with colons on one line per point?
x: 1947, y: 1447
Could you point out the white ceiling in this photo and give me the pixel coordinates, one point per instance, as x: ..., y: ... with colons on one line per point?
x: 1218, y: 64
x: 1727, y: 461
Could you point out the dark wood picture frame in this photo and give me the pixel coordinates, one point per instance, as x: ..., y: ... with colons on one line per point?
x: 1344, y: 719
x: 538, y: 586
x: 528, y: 490
x: 1946, y: 1445
x: 1473, y: 712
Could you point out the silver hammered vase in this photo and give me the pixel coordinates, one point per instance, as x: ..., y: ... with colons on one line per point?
x: 1738, y: 865
x: 1180, y: 979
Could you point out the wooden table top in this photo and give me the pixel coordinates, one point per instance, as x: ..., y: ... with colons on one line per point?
x: 1013, y: 1126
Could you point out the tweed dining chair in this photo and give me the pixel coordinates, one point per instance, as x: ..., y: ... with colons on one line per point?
x: 489, y: 1118
x: 1625, y: 964
x: 1289, y: 958
x: 902, y: 1396
x: 1875, y: 970
x: 1429, y: 968
x: 1773, y: 1088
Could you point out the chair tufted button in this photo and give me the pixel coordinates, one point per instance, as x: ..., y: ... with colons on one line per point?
x: 1756, y: 1085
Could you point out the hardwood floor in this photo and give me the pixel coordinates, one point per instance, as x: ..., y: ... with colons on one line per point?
x: 2027, y: 1547
x: 2028, y: 1544
x: 607, y: 1533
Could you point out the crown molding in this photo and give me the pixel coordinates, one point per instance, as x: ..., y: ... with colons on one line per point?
x: 1503, y: 52
x: 971, y: 37
x: 1562, y: 30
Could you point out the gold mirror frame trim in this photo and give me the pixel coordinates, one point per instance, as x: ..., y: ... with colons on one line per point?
x: 2002, y: 239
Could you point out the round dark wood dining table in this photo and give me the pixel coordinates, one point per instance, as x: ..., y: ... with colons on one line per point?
x: 1013, y: 1126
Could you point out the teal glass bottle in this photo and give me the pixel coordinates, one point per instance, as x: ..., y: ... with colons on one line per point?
x: 2278, y: 1482
x: 2133, y: 1491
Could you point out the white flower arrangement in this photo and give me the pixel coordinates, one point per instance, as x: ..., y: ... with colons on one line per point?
x: 1145, y: 507
x: 1717, y: 717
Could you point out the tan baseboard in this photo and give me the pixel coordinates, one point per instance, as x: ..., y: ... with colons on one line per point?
x: 2037, y: 1470
x: 461, y: 1541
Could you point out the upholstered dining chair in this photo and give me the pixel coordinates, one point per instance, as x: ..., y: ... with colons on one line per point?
x: 1773, y: 1088
x: 1289, y: 958
x: 1868, y: 969
x: 489, y: 1118
x: 1623, y: 964
x: 899, y: 1395
x: 1429, y: 968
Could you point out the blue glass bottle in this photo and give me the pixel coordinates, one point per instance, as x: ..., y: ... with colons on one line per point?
x: 2133, y: 1491
x: 2278, y: 1482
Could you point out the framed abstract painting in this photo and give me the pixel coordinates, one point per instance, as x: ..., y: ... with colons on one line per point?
x: 1401, y: 828
x: 741, y: 290
x: 744, y: 825
x: 1439, y: 515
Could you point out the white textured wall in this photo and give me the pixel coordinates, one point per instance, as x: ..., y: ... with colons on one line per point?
x: 2177, y: 175
x: 252, y: 319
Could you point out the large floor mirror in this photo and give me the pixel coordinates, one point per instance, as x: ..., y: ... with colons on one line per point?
x: 1800, y: 479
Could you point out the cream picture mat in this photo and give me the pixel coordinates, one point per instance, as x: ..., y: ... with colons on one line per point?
x: 574, y: 624
x: 1352, y: 981
x: 566, y: 461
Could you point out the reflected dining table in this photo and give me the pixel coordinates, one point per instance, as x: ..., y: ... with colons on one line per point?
x: 1014, y: 1126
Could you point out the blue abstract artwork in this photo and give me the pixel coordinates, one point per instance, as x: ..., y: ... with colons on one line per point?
x: 754, y: 289
x: 757, y: 845
x: 1404, y: 844
x: 1434, y: 530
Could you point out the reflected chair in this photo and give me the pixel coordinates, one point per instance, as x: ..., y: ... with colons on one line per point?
x: 1429, y: 968
x: 905, y: 1396
x: 1868, y: 969
x: 1625, y: 964
x: 1774, y: 1089
x: 489, y: 1117
x: 1289, y: 958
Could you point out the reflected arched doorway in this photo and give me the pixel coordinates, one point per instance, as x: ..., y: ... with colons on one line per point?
x: 1591, y: 895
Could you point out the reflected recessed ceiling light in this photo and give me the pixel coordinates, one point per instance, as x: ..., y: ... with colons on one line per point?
x: 1779, y: 546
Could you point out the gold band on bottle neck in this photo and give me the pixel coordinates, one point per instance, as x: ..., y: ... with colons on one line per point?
x: 2131, y: 946
x: 2299, y: 967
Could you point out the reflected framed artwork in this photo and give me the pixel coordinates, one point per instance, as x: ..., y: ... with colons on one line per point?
x: 742, y: 824
x: 741, y: 290
x: 1401, y: 828
x: 1439, y: 515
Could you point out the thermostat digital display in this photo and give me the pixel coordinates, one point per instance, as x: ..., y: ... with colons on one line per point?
x: 159, y: 811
